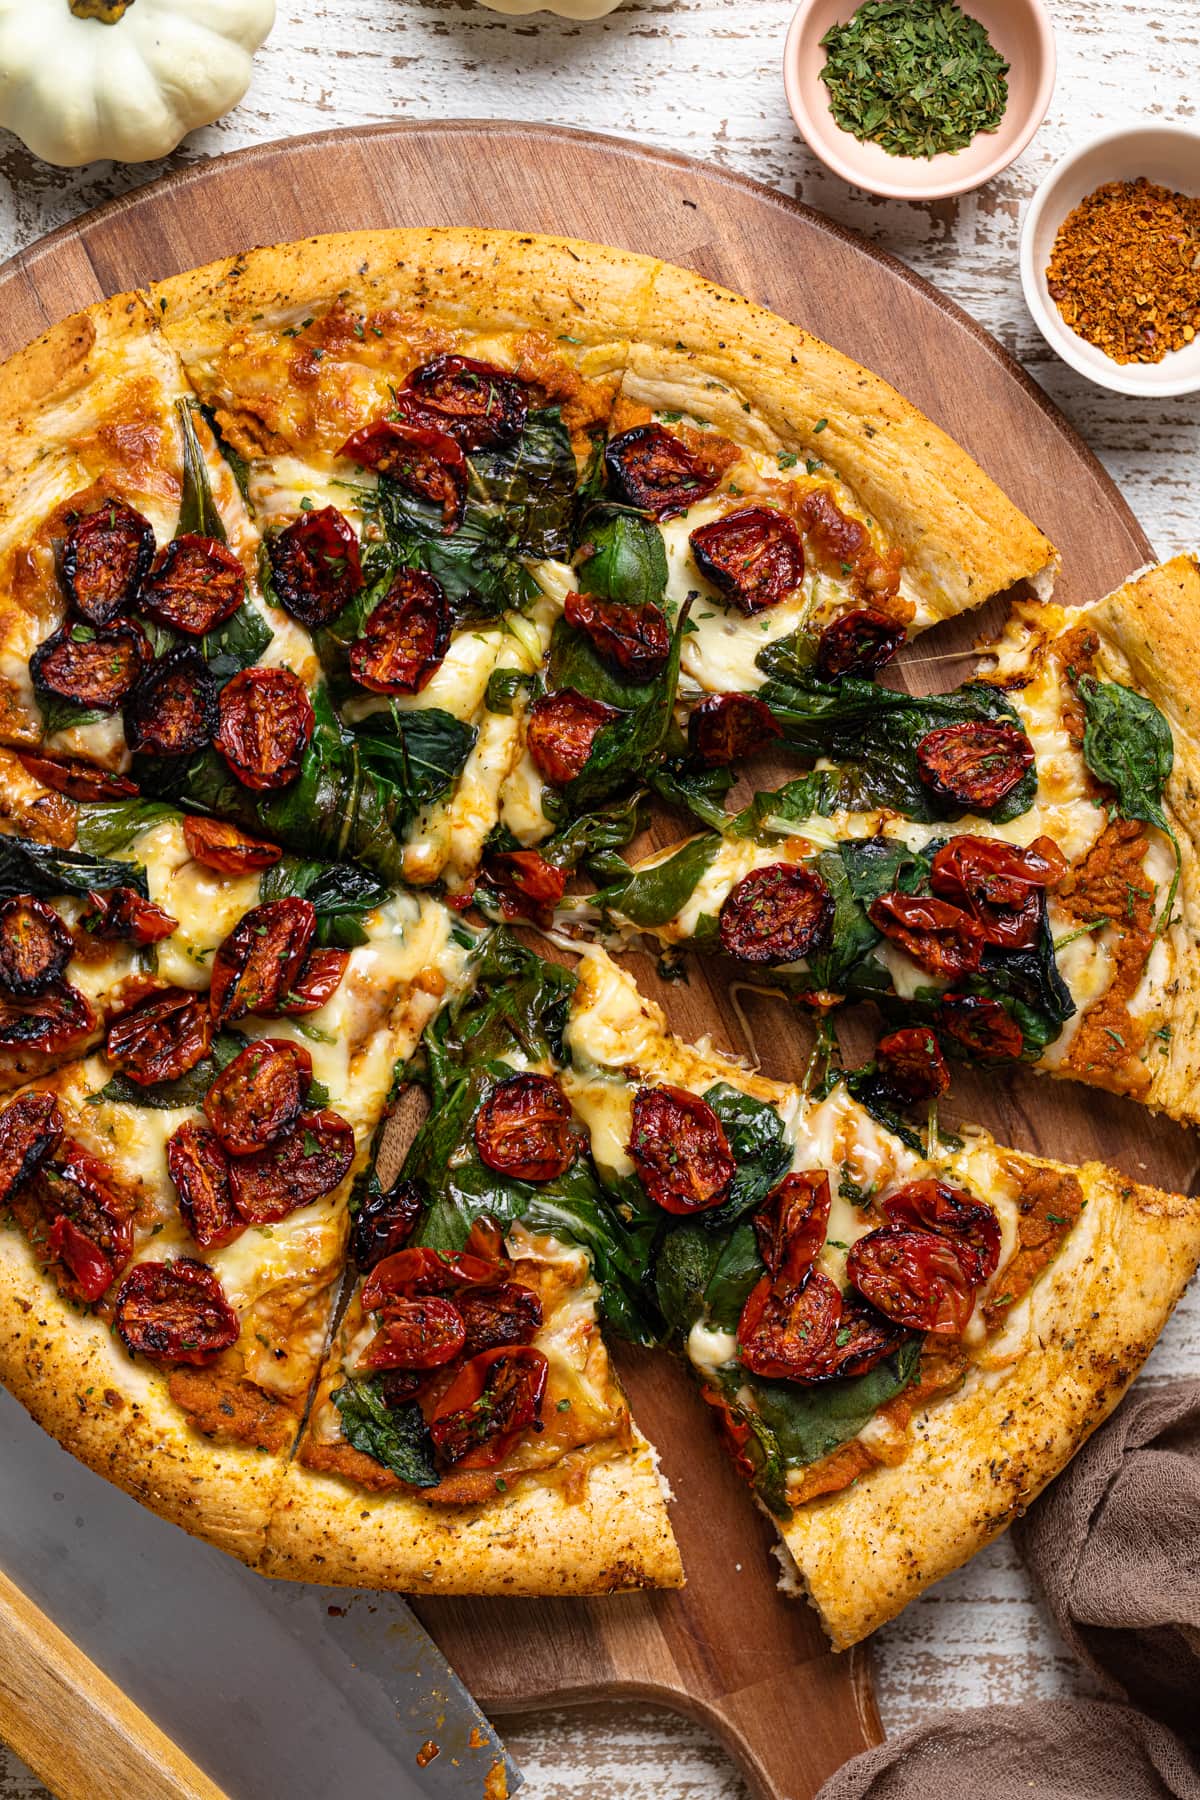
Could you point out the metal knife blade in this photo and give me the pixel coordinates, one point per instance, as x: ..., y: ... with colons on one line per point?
x: 271, y: 1687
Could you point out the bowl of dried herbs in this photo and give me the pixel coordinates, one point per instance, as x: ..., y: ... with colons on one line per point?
x: 919, y: 99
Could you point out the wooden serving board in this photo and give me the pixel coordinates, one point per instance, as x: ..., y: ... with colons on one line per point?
x: 728, y: 1650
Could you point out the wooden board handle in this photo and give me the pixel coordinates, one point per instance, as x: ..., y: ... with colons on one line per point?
x: 73, y: 1726
x: 784, y: 1738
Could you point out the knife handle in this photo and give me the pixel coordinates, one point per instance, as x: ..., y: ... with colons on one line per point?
x: 73, y: 1726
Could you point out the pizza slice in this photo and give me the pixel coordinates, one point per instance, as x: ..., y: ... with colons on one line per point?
x: 904, y: 1337
x: 177, y: 1199
x: 1013, y: 864
x: 469, y: 1434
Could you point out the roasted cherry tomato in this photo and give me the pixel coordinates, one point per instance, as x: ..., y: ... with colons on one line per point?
x: 915, y: 1278
x: 791, y: 1223
x: 199, y: 1167
x: 636, y: 640
x: 404, y: 638
x: 753, y: 556
x: 173, y: 709
x: 494, y: 1398
x: 104, y: 561
x: 1000, y: 885
x: 563, y: 726
x: 175, y: 1312
x: 316, y: 567
x: 786, y: 1332
x: 939, y: 937
x: 35, y: 946
x: 858, y: 644
x: 420, y: 458
x: 417, y: 1334
x: 93, y: 666
x: 264, y: 723
x: 310, y: 1160
x: 196, y: 585
x: 723, y: 728
x: 980, y: 1026
x: 217, y: 845
x: 970, y: 1225
x: 529, y: 887
x: 679, y: 1149
x: 120, y: 915
x: 864, y: 1338
x: 256, y: 965
x: 524, y: 1129
x: 384, y: 1223
x: 77, y: 779
x: 475, y: 403
x: 52, y: 1022
x: 652, y: 469
x: 508, y: 1314
x: 425, y: 1271
x: 776, y: 914
x: 912, y: 1064
x: 258, y: 1096
x: 30, y: 1129
x: 319, y: 978
x: 162, y: 1038
x: 91, y: 1222
x: 974, y: 765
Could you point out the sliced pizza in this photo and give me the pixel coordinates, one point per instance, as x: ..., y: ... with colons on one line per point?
x: 904, y: 1337
x: 178, y: 1199
x: 1025, y: 881
x: 468, y: 1433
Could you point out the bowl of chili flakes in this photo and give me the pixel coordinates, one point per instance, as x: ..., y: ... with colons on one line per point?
x: 1110, y: 260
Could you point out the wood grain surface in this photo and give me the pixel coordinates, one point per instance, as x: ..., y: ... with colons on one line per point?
x: 702, y: 75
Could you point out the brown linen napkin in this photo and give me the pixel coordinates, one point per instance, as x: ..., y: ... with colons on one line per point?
x: 1115, y: 1547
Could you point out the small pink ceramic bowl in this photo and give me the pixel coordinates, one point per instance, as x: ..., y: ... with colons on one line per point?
x: 1021, y: 32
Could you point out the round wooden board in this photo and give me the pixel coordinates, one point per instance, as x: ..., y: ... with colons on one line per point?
x: 727, y: 1649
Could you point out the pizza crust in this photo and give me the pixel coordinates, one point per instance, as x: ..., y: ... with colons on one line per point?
x: 70, y: 1373
x: 544, y: 1539
x: 978, y: 1458
x: 706, y: 351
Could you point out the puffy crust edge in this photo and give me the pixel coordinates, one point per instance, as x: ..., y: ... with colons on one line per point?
x: 963, y: 539
x: 1150, y: 638
x: 978, y: 1457
x: 541, y: 1541
x: 61, y: 1364
x: 477, y: 281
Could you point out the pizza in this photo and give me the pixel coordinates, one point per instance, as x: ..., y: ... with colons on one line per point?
x: 1010, y: 864
x: 362, y: 597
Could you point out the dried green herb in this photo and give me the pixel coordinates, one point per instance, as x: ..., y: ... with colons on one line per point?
x: 916, y: 77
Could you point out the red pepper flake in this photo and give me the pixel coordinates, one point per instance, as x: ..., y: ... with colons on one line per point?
x: 1125, y: 270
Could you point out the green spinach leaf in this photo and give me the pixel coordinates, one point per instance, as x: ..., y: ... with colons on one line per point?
x: 59, y: 714
x: 197, y: 508
x: 27, y: 867
x: 106, y: 827
x: 396, y: 1436
x: 1127, y: 745
x: 624, y: 559
x: 531, y: 483
x: 759, y: 1145
x: 654, y: 896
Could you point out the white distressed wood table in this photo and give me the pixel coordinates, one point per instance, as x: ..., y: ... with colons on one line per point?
x: 703, y: 76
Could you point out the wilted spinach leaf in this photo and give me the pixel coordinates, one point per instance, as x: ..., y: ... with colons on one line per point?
x: 59, y: 714
x: 759, y: 1145
x: 624, y: 559
x: 654, y: 896
x: 27, y: 867
x: 1127, y: 745
x: 532, y: 484
x: 106, y: 826
x: 396, y: 1436
x: 197, y: 508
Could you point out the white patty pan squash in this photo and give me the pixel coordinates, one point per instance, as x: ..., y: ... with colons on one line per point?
x: 566, y: 9
x: 85, y: 79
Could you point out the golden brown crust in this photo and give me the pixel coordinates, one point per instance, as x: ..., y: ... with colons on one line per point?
x: 544, y: 1538
x: 116, y: 1416
x: 705, y: 351
x: 980, y: 1456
